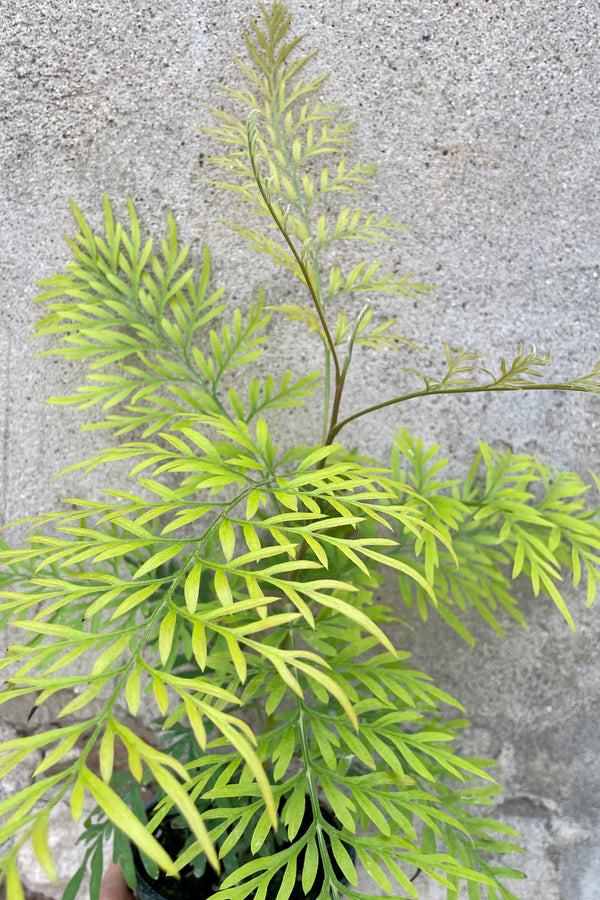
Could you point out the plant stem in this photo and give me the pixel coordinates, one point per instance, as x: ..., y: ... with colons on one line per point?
x: 329, y: 874
x: 326, y: 399
x: 337, y: 427
x: 318, y: 293
x: 303, y: 269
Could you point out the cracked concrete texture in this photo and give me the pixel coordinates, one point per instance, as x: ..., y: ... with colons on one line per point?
x: 484, y: 120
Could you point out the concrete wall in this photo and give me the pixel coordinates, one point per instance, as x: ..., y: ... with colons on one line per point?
x: 484, y: 118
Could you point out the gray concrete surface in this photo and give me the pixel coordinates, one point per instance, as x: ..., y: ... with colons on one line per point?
x: 484, y: 118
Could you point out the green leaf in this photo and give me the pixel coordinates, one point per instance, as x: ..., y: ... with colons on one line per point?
x: 107, y: 753
x: 119, y: 813
x: 39, y: 842
x: 289, y: 879
x: 111, y: 654
x: 227, y: 539
x: 134, y: 599
x: 158, y: 559
x: 259, y: 835
x: 160, y: 695
x: 237, y: 657
x: 72, y: 888
x: 166, y: 634
x: 77, y: 799
x: 96, y: 870
x: 293, y: 811
x: 311, y: 864
x: 132, y: 690
x: 60, y: 751
x: 222, y: 588
x: 199, y: 647
x: 14, y: 889
x: 192, y: 588
x: 343, y: 859
x: 174, y: 790
x: 343, y: 808
x: 375, y: 871
x: 283, y: 752
x: 253, y: 502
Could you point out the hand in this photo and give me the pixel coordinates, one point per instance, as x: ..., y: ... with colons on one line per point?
x: 114, y: 886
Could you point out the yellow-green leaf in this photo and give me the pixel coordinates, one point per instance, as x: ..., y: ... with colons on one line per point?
x: 227, y: 539
x: 134, y: 600
x: 84, y: 698
x: 252, y: 539
x: 187, y: 807
x: 402, y: 567
x: 159, y: 558
x: 135, y: 764
x: 77, y: 799
x: 259, y: 835
x: 290, y: 501
x: 14, y: 888
x: 285, y: 674
x: 344, y: 860
x: 146, y: 752
x: 132, y: 690
x: 237, y: 657
x: 192, y: 588
x: 112, y: 652
x: 119, y: 813
x: 254, y: 764
x: 222, y: 589
x: 317, y: 455
x: 334, y: 689
x: 102, y: 601
x: 160, y: 695
x: 311, y: 864
x: 28, y: 797
x: 356, y: 615
x: 195, y: 720
x: 166, y: 634
x: 39, y: 842
x: 252, y: 503
x: 107, y: 753
x: 59, y: 752
x: 199, y: 644
x: 317, y: 549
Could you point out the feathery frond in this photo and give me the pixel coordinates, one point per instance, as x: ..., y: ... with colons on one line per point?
x: 229, y: 593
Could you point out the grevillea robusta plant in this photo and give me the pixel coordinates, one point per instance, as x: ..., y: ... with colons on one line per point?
x: 230, y: 594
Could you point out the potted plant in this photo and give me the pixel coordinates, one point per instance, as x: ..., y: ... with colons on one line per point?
x: 230, y: 594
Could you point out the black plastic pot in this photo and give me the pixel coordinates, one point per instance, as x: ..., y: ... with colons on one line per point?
x: 189, y: 887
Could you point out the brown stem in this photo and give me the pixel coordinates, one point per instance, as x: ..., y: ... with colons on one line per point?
x: 336, y: 428
x: 303, y: 269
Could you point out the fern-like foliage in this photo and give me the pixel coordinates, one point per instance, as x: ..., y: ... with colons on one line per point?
x: 119, y: 305
x: 511, y: 516
x: 199, y: 597
x: 464, y: 373
x: 284, y: 156
x: 229, y: 592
